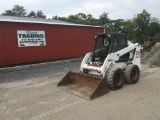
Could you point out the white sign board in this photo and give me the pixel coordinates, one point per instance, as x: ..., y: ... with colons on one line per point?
x: 31, y: 38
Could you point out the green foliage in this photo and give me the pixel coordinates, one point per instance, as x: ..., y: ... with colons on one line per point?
x: 55, y: 17
x: 154, y: 19
x: 129, y: 29
x: 80, y: 18
x: 21, y: 12
x: 32, y: 14
x: 111, y: 29
x: 158, y: 36
x: 141, y: 38
x: 16, y: 11
x: 142, y: 22
x: 40, y: 14
x: 115, y: 26
x: 154, y: 28
x: 103, y: 18
x: 137, y: 29
x: 8, y: 13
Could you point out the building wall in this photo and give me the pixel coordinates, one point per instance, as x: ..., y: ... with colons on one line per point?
x: 61, y: 42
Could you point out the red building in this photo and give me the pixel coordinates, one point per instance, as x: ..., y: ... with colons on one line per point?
x: 27, y: 40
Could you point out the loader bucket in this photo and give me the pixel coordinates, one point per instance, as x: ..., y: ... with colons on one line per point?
x: 83, y: 85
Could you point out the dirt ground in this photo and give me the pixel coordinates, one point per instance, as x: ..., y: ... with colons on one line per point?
x: 32, y: 94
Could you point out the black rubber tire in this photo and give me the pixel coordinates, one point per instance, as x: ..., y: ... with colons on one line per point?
x: 115, y: 78
x: 132, y: 74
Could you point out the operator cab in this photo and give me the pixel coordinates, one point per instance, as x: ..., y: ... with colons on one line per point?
x: 108, y: 43
x: 102, y: 43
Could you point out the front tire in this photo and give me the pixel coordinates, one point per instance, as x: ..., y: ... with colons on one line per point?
x: 132, y: 74
x: 115, y: 78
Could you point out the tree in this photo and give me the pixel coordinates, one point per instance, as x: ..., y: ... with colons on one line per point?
x: 89, y: 17
x: 32, y: 14
x: 154, y: 28
x: 111, y: 29
x: 103, y: 19
x: 81, y: 16
x: 8, y: 13
x: 72, y: 17
x: 16, y: 11
x: 19, y: 11
x: 158, y: 36
x: 129, y: 29
x: 40, y: 14
x: 55, y: 17
x: 154, y: 19
x: 63, y: 19
x: 142, y: 22
x: 114, y: 25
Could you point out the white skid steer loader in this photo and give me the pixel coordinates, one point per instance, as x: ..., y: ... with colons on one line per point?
x: 113, y: 61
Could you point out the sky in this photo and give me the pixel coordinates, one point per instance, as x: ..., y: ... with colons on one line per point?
x: 116, y: 9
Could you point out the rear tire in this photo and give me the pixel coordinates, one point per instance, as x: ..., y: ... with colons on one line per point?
x: 115, y: 78
x: 132, y: 74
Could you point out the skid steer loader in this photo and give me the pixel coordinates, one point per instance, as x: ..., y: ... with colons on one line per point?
x: 113, y: 61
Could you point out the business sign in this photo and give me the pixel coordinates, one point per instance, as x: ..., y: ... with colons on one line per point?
x: 31, y: 38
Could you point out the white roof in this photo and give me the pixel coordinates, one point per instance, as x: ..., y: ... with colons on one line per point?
x: 39, y: 20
